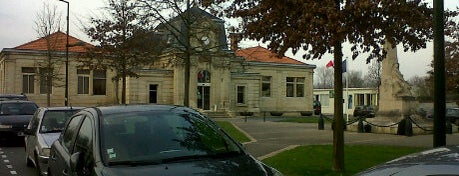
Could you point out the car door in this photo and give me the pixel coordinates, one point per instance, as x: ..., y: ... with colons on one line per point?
x: 31, y: 135
x: 84, y: 146
x: 62, y: 148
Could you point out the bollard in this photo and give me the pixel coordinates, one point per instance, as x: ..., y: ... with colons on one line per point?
x: 321, y: 122
x: 360, y: 125
x: 449, y: 127
x: 408, y: 126
x: 264, y: 116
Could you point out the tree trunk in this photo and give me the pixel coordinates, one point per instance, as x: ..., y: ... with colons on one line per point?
x: 123, y: 89
x: 338, y: 133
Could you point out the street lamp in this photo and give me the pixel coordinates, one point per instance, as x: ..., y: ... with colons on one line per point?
x: 66, y: 101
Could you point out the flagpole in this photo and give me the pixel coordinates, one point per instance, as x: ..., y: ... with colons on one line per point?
x: 347, y: 90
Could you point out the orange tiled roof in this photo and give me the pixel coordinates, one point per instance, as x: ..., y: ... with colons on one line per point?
x: 260, y: 54
x: 59, y: 39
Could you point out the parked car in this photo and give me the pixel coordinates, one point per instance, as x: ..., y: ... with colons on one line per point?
x: 144, y: 140
x: 4, y: 97
x: 364, y: 111
x: 44, y: 128
x: 437, y: 161
x: 317, y: 107
x: 15, y: 115
x: 452, y: 114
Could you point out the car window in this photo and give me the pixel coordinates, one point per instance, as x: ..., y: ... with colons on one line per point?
x: 157, y: 136
x: 33, y: 125
x: 71, y: 132
x: 54, y: 120
x: 18, y: 108
x: 83, y: 144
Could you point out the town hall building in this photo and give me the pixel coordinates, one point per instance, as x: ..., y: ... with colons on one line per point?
x: 230, y: 81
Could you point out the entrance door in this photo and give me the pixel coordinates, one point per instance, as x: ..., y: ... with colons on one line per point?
x: 204, y: 97
x: 153, y: 93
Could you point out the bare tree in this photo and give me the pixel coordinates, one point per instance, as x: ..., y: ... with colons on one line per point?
x: 355, y: 79
x: 190, y: 31
x: 125, y: 44
x: 47, y: 22
x: 420, y: 87
x: 324, y: 77
x: 373, y: 77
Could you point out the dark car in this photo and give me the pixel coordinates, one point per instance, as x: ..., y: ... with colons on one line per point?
x: 144, y: 140
x: 44, y: 128
x: 317, y: 107
x: 437, y: 161
x: 364, y: 111
x: 452, y: 114
x: 5, y: 97
x: 15, y: 116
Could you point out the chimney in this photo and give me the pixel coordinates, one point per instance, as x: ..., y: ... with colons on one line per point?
x: 234, y: 40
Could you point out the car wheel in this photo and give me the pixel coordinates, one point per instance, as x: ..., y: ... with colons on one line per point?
x: 29, y: 162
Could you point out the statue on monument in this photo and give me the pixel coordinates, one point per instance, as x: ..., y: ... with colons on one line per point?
x: 393, y: 77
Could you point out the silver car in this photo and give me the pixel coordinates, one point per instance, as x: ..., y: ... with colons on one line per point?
x: 44, y: 128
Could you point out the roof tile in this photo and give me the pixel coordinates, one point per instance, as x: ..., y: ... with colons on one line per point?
x: 58, y: 39
x: 260, y: 54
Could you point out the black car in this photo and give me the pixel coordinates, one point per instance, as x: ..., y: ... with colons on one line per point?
x: 5, y: 97
x: 364, y: 111
x: 144, y: 140
x: 437, y: 161
x: 452, y: 114
x: 15, y: 116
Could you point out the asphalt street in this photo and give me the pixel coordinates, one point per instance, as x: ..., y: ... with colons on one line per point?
x: 269, y: 138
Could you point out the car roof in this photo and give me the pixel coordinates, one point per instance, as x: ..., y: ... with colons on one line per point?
x: 16, y: 101
x: 138, y: 108
x: 61, y: 108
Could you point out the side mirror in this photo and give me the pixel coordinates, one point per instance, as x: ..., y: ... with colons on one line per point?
x: 75, y: 162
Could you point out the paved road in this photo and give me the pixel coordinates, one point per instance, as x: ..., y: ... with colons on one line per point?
x: 271, y: 137
x: 13, y: 159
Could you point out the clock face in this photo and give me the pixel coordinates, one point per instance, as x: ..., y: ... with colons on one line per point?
x: 205, y: 40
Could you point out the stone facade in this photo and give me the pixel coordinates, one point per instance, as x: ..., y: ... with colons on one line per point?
x: 221, y: 80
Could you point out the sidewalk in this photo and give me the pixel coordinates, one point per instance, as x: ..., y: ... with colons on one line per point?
x: 272, y: 137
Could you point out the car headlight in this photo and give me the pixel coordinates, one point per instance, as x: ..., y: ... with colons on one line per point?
x: 5, y: 126
x: 45, y: 152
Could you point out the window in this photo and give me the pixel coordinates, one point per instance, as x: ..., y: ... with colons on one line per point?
x: 83, y: 144
x: 44, y: 76
x: 99, y: 82
x: 359, y: 99
x: 240, y: 94
x: 295, y: 87
x: 83, y: 81
x: 266, y: 86
x: 71, y: 132
x: 28, y: 74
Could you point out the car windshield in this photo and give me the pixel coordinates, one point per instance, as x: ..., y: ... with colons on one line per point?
x: 54, y: 121
x: 159, y: 137
x: 17, y: 108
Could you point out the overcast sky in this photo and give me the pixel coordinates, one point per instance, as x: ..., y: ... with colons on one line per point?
x: 17, y: 27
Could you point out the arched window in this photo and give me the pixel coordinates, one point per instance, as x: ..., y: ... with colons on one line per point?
x: 203, y: 76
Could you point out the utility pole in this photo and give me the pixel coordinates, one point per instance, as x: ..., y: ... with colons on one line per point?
x: 66, y: 101
x: 439, y: 137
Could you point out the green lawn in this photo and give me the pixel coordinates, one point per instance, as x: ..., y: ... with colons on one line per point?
x: 234, y: 132
x: 317, y: 159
